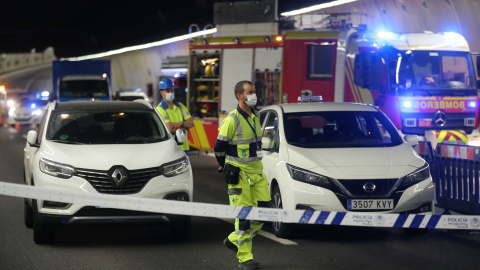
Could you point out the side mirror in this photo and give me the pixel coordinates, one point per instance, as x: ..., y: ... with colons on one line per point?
x: 179, y: 136
x: 32, y: 138
x: 411, y: 139
x: 266, y: 142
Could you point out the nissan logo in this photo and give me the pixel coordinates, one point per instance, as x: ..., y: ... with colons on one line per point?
x: 440, y: 118
x: 369, y: 187
x: 119, y: 176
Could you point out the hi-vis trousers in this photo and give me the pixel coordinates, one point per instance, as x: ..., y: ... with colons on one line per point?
x: 250, y: 189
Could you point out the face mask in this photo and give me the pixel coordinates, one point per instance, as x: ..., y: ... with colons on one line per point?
x: 251, y: 100
x: 169, y: 97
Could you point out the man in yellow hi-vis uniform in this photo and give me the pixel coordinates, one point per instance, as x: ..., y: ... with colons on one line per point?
x: 238, y: 152
x: 175, y: 114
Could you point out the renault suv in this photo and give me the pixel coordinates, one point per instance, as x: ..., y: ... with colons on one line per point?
x: 104, y: 147
x: 341, y: 157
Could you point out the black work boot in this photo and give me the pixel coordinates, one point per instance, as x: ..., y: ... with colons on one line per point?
x: 250, y: 264
x: 230, y: 245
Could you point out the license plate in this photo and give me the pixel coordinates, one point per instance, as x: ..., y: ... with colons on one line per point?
x: 422, y: 122
x: 370, y: 204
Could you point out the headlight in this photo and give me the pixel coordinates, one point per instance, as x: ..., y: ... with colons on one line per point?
x: 417, y: 176
x: 176, y: 167
x: 309, y: 177
x: 37, y: 112
x: 56, y: 169
x: 11, y: 111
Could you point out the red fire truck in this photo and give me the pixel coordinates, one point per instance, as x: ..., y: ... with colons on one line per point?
x: 424, y: 82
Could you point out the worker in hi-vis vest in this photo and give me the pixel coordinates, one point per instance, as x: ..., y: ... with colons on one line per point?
x: 174, y: 113
x: 239, y: 154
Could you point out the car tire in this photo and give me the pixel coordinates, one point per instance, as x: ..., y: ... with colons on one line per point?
x: 41, y: 233
x: 280, y: 229
x: 182, y: 232
x: 27, y: 214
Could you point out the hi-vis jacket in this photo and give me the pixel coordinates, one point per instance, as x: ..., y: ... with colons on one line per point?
x: 178, y: 113
x: 236, y: 143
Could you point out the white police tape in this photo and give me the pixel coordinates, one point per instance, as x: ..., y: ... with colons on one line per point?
x: 364, y: 219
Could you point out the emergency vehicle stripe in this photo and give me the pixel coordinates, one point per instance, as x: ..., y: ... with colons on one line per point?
x: 402, y: 218
x: 337, y: 220
x: 459, y: 135
x: 432, y: 223
x: 193, y: 132
x: 417, y: 221
x: 441, y: 135
x: 322, y: 217
x: 244, y: 212
x: 353, y: 86
x: 202, y: 136
x: 306, y: 216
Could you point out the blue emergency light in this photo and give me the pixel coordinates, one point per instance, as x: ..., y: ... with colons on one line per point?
x: 472, y: 104
x: 407, y: 104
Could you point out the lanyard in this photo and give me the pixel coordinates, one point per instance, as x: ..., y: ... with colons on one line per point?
x: 253, y: 129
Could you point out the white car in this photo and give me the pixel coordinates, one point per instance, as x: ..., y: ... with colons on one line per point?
x: 106, y: 147
x: 341, y: 157
x: 27, y: 112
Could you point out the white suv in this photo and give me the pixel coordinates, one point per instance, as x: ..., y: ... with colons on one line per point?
x: 341, y: 157
x: 108, y: 147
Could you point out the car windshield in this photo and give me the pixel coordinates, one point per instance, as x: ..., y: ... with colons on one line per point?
x: 105, y: 127
x: 339, y: 129
x: 434, y: 71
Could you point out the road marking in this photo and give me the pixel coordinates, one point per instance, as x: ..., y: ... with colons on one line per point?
x: 268, y: 235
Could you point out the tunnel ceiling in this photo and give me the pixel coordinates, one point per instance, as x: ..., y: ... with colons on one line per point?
x: 75, y: 28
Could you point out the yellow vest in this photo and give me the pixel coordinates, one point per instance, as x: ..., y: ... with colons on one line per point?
x: 178, y: 113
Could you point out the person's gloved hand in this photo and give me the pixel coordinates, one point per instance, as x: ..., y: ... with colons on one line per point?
x: 220, y: 169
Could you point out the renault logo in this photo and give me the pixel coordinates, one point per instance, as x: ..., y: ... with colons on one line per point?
x: 119, y: 176
x: 440, y: 118
x: 369, y: 187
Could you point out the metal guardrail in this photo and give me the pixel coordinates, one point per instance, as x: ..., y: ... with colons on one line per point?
x: 455, y: 171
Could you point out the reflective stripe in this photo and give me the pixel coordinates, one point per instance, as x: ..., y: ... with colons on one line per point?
x: 234, y: 191
x: 222, y: 138
x: 239, y: 126
x: 237, y: 159
x: 220, y: 154
x: 235, y: 142
x: 186, y: 114
x: 240, y: 242
x: 240, y: 233
x: 166, y: 118
x: 258, y: 223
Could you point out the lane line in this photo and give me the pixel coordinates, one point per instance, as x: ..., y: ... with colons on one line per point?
x: 268, y: 235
